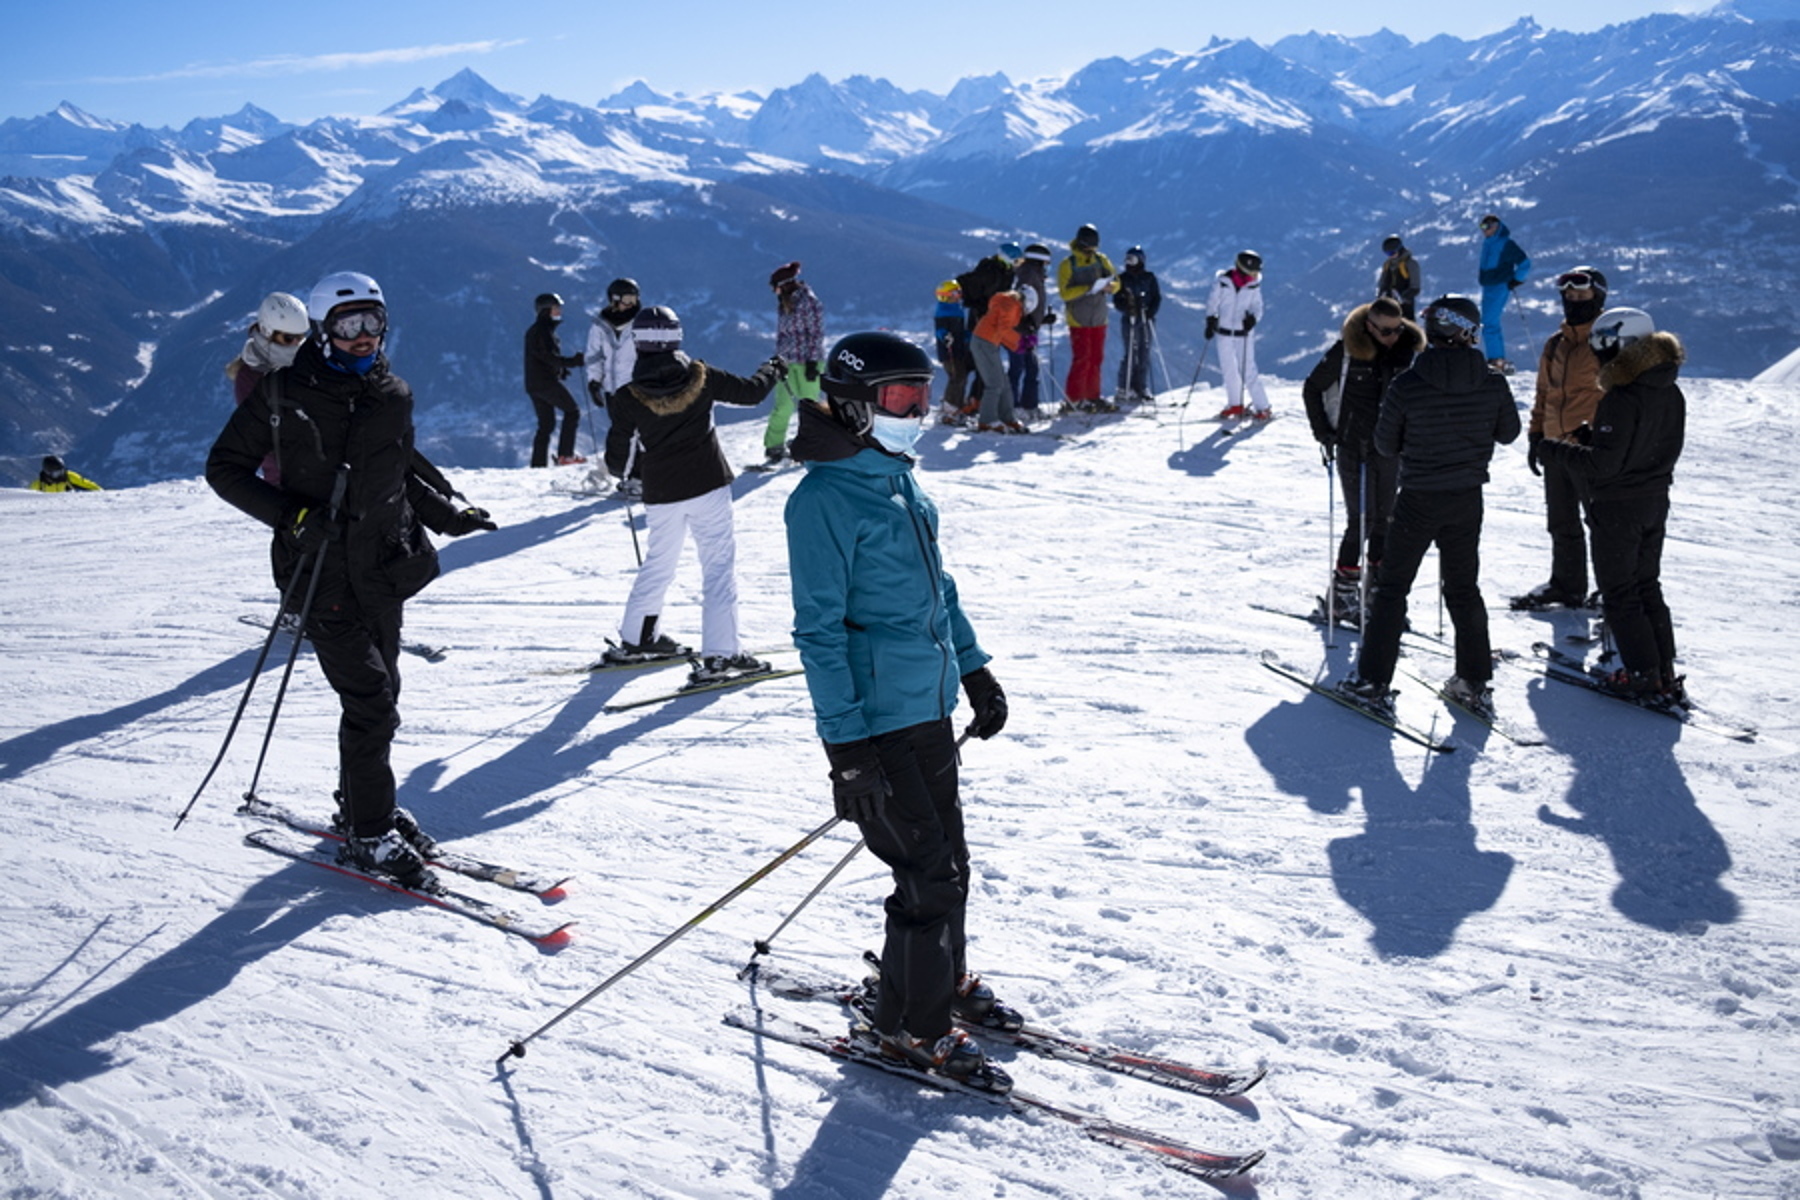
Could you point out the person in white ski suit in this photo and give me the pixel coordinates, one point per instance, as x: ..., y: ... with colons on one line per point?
x: 1232, y: 314
x: 611, y: 356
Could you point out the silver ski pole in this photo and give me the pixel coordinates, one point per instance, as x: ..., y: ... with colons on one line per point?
x: 1330, y: 551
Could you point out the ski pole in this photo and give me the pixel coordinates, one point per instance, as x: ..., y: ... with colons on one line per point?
x: 517, y: 1049
x: 1330, y: 550
x: 764, y: 946
x: 1530, y: 344
x: 318, y: 564
x: 337, y: 503
x: 1205, y: 347
x: 1156, y: 345
x: 1362, y: 547
x: 631, y: 521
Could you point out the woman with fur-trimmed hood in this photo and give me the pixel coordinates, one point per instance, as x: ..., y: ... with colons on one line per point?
x: 1377, y: 343
x: 664, y: 417
x: 1626, y: 464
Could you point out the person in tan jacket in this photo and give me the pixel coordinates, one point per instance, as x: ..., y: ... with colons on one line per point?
x: 1568, y: 391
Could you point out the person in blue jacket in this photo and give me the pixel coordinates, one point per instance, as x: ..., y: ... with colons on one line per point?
x: 884, y: 643
x: 1504, y: 266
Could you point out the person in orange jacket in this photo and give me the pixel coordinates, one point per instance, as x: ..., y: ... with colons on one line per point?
x: 998, y: 329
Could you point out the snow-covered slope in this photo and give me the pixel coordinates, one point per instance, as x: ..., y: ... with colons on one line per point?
x: 1552, y: 972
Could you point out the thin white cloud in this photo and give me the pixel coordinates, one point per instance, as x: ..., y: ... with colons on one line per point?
x: 293, y: 64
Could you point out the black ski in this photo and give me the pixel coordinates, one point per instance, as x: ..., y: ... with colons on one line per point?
x: 1565, y: 668
x: 1488, y: 717
x: 1150, y: 1068
x: 635, y: 662
x: 324, y: 854
x: 544, y: 886
x: 1273, y: 661
x: 427, y: 652
x: 742, y: 679
x: 1191, y: 1160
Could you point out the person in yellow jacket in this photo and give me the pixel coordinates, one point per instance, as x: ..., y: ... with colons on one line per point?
x: 57, y: 478
x: 1086, y: 280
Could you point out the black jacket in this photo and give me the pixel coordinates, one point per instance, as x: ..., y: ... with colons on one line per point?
x: 982, y: 282
x: 1443, y: 418
x: 1139, y: 295
x: 1639, y: 426
x: 668, y: 407
x: 1373, y: 367
x: 545, y: 363
x: 328, y: 418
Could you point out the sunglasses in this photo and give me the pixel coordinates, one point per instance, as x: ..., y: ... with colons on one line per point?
x: 905, y: 399
x: 287, y: 339
x: 362, y: 322
x: 1385, y: 331
x: 1574, y: 281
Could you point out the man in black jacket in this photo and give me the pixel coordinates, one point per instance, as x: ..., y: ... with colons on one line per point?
x: 1442, y: 419
x: 546, y: 366
x: 1626, y: 468
x: 347, y: 519
x: 1139, y: 298
x: 667, y: 412
x: 1378, y: 343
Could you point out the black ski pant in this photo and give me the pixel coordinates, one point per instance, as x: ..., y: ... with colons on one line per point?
x: 1451, y: 521
x: 1628, y: 546
x: 919, y: 835
x: 547, y: 403
x: 1563, y: 508
x: 1362, y: 473
x: 359, y: 657
x: 1134, y: 365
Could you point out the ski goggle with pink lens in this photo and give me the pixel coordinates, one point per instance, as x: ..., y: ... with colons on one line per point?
x: 907, y: 398
x: 359, y: 322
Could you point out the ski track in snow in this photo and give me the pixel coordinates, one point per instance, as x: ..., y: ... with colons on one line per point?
x: 1506, y: 971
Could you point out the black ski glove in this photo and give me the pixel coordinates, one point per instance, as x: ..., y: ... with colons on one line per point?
x: 988, y: 701
x: 812, y: 372
x: 469, y: 520
x: 310, y: 529
x: 1212, y: 328
x: 859, y: 787
x: 1512, y: 285
x: 1584, y: 433
x: 1050, y: 316
x: 594, y: 392
x: 1534, y: 454
x: 1249, y: 322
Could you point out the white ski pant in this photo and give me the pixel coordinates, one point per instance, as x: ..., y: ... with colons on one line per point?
x: 1237, y: 362
x: 708, y: 517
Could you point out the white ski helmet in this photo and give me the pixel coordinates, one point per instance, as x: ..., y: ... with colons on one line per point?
x: 1617, y: 328
x: 343, y: 287
x: 282, y: 313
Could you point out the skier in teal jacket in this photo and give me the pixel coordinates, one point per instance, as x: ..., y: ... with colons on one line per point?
x: 885, y: 644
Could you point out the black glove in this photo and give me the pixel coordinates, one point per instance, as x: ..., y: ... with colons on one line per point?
x: 1050, y: 316
x: 988, y: 701
x: 1584, y: 433
x: 812, y: 372
x: 469, y: 520
x: 1327, y: 451
x: 1212, y: 327
x: 1249, y: 322
x: 1534, y: 453
x: 310, y: 529
x: 777, y: 364
x: 594, y: 392
x: 1512, y: 285
x: 859, y: 787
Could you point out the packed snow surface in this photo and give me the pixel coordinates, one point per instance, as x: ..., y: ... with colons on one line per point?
x: 1506, y: 971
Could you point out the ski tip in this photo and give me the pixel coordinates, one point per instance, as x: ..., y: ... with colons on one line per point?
x: 556, y: 939
x: 557, y: 893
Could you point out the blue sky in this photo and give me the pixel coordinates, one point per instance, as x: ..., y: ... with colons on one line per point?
x: 162, y: 65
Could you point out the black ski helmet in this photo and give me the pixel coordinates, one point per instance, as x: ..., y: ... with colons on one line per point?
x: 1583, y: 277
x: 53, y: 465
x: 655, y: 329
x: 857, y: 367
x: 621, y: 287
x: 1134, y: 256
x: 1391, y: 244
x: 547, y: 300
x: 1249, y: 262
x: 1087, y: 237
x: 1453, y: 319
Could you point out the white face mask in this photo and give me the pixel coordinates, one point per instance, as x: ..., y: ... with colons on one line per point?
x: 897, y: 435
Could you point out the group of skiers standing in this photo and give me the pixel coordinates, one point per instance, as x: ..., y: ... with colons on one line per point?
x: 1410, y: 416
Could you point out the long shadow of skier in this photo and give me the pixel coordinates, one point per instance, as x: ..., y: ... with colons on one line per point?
x: 1630, y: 793
x: 68, y: 1047
x: 1414, y: 873
x: 19, y: 754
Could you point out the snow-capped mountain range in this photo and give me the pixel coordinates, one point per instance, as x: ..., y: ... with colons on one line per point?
x: 1664, y: 150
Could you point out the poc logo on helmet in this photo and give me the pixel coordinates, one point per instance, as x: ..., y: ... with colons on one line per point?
x: 850, y: 360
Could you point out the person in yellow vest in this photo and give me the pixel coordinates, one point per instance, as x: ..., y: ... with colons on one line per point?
x: 57, y: 478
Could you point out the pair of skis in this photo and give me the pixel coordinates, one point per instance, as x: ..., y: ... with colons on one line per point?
x: 1168, y: 1151
x: 303, y: 839
x: 680, y: 656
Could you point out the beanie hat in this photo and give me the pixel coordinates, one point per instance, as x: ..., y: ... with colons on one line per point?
x: 784, y: 275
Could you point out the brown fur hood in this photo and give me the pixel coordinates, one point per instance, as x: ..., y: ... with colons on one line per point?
x: 1358, y: 344
x: 1659, y: 349
x: 665, y: 403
